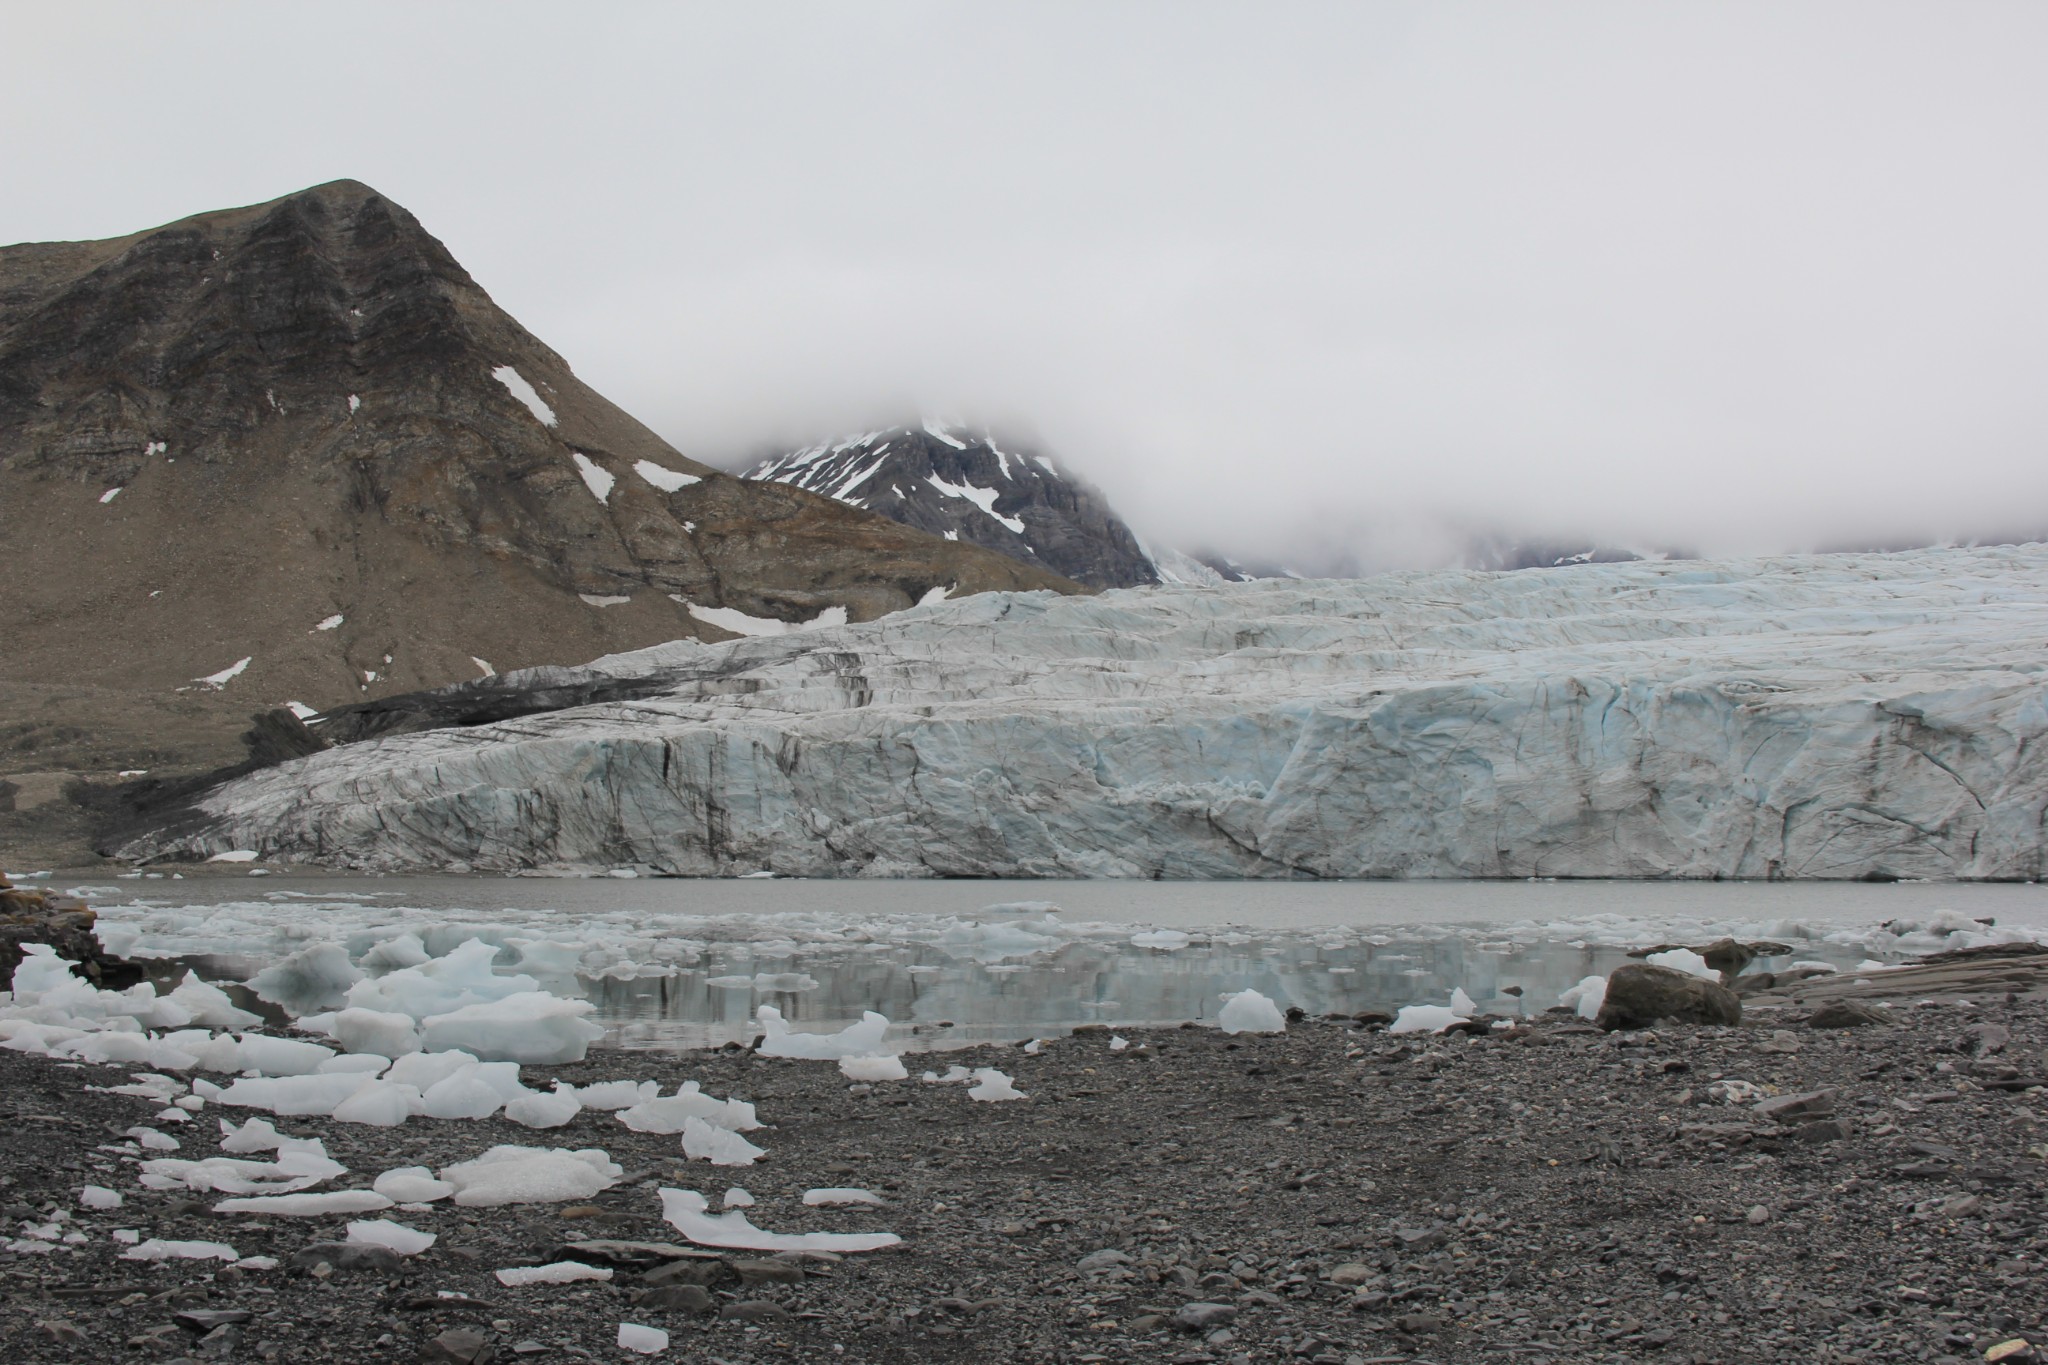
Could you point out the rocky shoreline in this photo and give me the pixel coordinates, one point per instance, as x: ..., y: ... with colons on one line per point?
x: 1546, y: 1192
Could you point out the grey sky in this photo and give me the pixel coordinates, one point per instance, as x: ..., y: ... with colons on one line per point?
x: 1735, y: 276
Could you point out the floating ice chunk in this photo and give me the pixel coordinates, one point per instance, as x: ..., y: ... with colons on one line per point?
x: 992, y: 1085
x: 731, y: 983
x: 1161, y: 938
x: 381, y: 1032
x: 531, y: 1026
x: 152, y: 1140
x: 411, y: 1185
x: 157, y: 1249
x: 719, y: 1146
x: 1247, y: 1011
x: 209, y: 1005
x: 442, y: 985
x: 172, y: 1116
x: 236, y: 855
x: 109, y: 496
x: 955, y: 1075
x: 382, y: 1232
x: 396, y: 954
x: 317, y: 977
x: 465, y: 1095
x: 1118, y: 1043
x: 596, y: 477
x: 543, y: 1109
x: 127, y: 1237
x: 784, y: 981
x: 1683, y: 960
x: 381, y: 1104
x: 531, y: 1175
x: 829, y: 1198
x: 862, y: 1039
x: 525, y: 393
x: 887, y: 1067
x: 667, y: 480
x: 684, y: 1211
x: 1425, y: 1019
x: 1586, y: 997
x: 609, y: 1095
x: 646, y: 1340
x: 99, y: 1197
x: 1462, y: 1003
x: 307, y: 1205
x: 424, y: 1069
x: 737, y: 1198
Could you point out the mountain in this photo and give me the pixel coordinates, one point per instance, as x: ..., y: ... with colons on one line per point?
x: 962, y: 485
x: 293, y: 452
x: 1851, y: 716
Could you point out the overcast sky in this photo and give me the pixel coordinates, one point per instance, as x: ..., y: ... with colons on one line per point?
x: 1732, y: 276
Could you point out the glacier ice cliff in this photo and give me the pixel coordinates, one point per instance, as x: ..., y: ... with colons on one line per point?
x: 1808, y: 716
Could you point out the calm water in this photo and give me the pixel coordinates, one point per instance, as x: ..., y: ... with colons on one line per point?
x: 685, y: 963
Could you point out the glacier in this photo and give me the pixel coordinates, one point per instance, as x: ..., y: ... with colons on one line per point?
x: 1824, y: 716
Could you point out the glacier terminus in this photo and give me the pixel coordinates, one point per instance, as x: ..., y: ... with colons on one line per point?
x: 1824, y: 716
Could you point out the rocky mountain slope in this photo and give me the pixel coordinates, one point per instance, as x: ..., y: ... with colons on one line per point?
x: 1819, y: 716
x: 962, y: 485
x: 293, y: 452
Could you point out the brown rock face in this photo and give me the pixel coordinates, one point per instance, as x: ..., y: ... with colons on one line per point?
x: 1639, y: 995
x: 325, y: 466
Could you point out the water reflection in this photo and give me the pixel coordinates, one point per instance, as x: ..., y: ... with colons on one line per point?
x: 939, y: 999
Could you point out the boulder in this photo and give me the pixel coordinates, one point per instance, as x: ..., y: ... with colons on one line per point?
x: 65, y: 923
x: 1639, y: 995
x: 1848, y: 1014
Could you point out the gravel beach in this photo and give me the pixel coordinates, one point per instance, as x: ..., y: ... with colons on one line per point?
x: 1336, y: 1194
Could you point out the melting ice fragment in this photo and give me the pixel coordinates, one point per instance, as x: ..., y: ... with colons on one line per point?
x: 1250, y: 1012
x: 647, y: 1341
x: 830, y: 1198
x: 1587, y: 997
x: 531, y: 1175
x: 382, y: 1232
x: 308, y: 1205
x: 533, y: 1027
x: 992, y: 1086
x: 557, y: 1272
x: 887, y: 1067
x: 719, y: 1146
x: 411, y: 1185
x: 157, y: 1249
x: 684, y: 1211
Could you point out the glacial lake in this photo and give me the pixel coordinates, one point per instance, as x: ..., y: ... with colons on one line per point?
x: 685, y: 963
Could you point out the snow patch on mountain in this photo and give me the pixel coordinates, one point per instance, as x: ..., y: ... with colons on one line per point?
x: 525, y: 393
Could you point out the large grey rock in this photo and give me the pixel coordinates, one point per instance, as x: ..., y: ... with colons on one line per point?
x: 1639, y: 995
